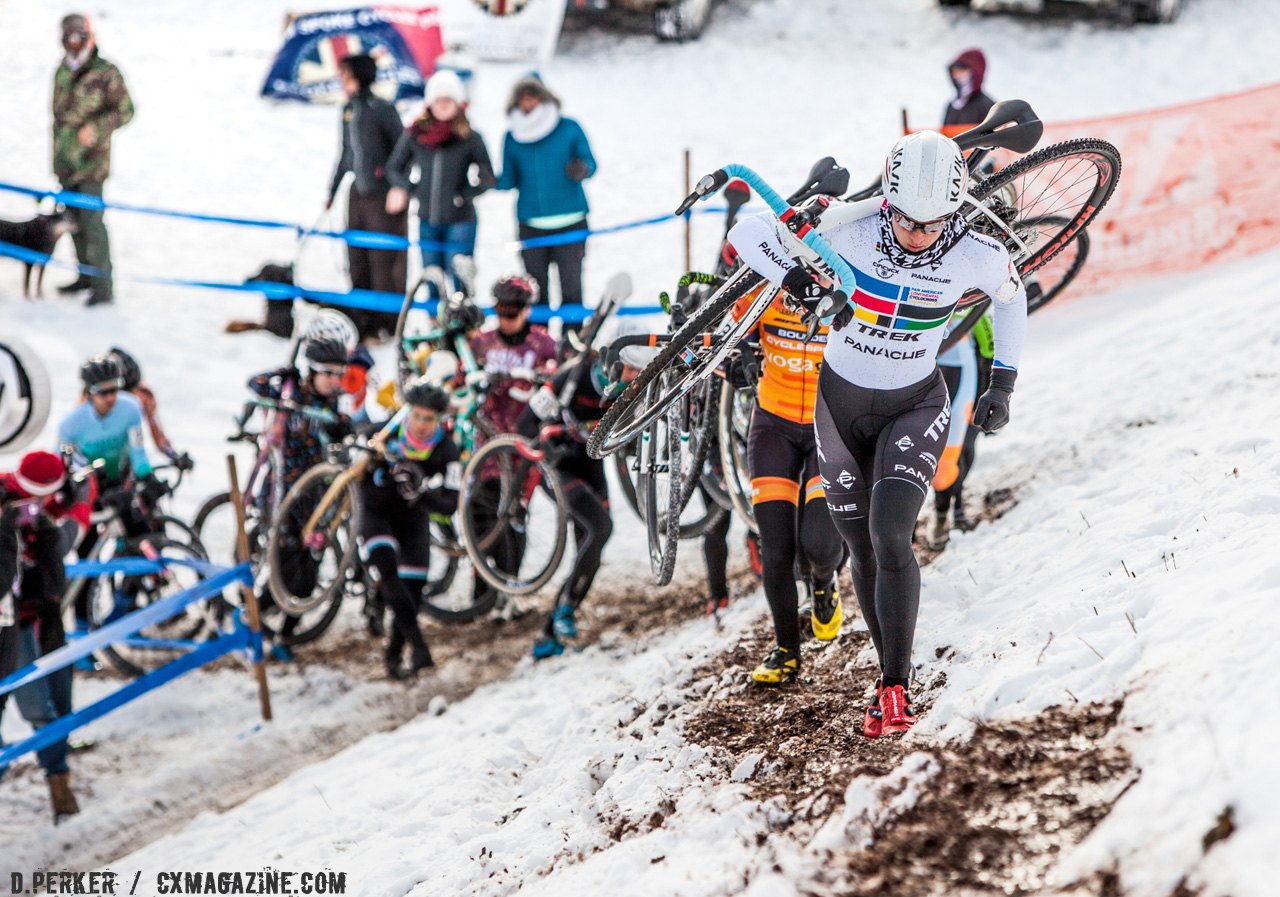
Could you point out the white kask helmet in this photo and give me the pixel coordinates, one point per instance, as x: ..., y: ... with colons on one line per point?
x: 925, y: 176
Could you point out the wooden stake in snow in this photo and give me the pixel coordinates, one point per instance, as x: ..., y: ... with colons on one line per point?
x: 248, y: 596
x: 688, y: 219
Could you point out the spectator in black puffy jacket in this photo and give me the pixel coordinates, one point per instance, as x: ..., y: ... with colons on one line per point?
x: 453, y: 168
x: 370, y: 128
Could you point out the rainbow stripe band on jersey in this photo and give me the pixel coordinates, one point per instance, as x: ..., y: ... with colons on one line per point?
x: 892, y: 307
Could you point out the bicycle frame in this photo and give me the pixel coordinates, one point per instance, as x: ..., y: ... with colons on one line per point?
x: 354, y: 473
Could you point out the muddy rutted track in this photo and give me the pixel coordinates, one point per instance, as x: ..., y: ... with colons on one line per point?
x: 468, y: 656
x: 996, y: 814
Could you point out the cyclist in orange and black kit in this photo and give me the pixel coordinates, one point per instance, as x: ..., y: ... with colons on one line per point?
x: 787, y: 492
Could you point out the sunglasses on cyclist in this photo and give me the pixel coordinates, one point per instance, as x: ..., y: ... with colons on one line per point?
x: 105, y: 388
x: 328, y: 370
x: 508, y: 312
x: 910, y: 224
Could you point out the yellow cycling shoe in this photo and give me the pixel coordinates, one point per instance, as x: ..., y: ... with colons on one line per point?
x: 827, y: 614
x: 777, y: 668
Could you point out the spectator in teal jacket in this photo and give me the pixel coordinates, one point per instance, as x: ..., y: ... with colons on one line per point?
x: 545, y: 159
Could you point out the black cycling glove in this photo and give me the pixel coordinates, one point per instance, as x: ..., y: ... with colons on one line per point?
x: 992, y: 411
x: 804, y: 285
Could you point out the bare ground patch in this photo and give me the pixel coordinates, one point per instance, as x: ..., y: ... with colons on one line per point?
x: 994, y: 817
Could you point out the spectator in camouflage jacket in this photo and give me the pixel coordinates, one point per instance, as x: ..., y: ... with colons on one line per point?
x: 90, y: 101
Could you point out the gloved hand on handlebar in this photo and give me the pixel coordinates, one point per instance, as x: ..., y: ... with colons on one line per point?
x: 806, y: 287
x: 408, y: 480
x: 184, y: 462
x: 151, y: 489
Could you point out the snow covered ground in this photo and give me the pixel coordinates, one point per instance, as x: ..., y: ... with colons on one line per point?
x: 1143, y: 452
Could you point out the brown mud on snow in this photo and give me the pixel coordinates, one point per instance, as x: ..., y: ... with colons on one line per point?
x: 467, y: 656
x: 994, y: 818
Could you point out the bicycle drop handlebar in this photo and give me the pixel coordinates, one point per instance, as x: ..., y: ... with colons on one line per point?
x: 793, y: 217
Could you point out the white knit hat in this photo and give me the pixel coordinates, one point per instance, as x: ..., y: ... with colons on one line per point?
x: 445, y: 83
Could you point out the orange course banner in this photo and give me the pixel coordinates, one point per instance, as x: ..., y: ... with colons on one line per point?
x: 1198, y: 185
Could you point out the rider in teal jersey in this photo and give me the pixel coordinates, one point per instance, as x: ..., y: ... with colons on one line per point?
x: 107, y: 425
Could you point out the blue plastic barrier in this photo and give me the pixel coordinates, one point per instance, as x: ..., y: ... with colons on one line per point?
x: 199, y: 655
x: 369, y: 300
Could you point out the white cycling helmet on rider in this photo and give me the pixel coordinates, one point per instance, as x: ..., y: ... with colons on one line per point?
x: 332, y: 324
x: 925, y: 176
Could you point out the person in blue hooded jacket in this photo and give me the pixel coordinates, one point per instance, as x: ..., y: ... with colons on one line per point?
x: 545, y: 159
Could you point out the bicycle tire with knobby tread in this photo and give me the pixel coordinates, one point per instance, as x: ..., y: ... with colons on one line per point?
x: 1103, y: 152
x: 288, y: 602
x: 702, y: 320
x: 482, y: 563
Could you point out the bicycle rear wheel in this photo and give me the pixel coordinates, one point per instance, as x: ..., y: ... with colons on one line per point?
x: 509, y: 487
x: 114, y: 595
x: 453, y: 593
x: 658, y: 492
x: 1047, y: 198
x: 735, y: 423
x: 305, y: 572
x: 695, y: 416
x: 690, y: 355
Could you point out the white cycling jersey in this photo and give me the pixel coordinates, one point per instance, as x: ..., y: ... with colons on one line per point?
x: 899, y: 313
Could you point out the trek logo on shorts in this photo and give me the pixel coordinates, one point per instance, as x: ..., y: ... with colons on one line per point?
x: 939, y: 425
x: 904, y: 444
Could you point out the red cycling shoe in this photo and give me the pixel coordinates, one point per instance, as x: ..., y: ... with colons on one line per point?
x: 895, y: 711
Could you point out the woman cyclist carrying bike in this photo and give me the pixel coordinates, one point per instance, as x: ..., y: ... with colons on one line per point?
x: 786, y: 489
x: 418, y: 475
x: 882, y: 407
x: 305, y: 438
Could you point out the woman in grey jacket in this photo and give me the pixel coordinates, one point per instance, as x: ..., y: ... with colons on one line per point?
x: 453, y: 168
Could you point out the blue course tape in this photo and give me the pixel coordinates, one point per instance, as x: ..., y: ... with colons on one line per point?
x: 372, y: 300
x: 367, y: 239
x: 369, y: 300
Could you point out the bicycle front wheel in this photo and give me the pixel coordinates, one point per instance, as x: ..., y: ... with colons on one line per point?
x: 658, y: 492
x: 690, y: 355
x: 453, y: 593
x: 307, y: 569
x: 509, y: 488
x: 114, y: 595
x: 1047, y: 198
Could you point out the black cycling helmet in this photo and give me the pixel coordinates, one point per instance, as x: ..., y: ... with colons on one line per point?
x: 101, y: 371
x: 515, y: 289
x: 326, y: 350
x: 130, y: 372
x: 422, y: 393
